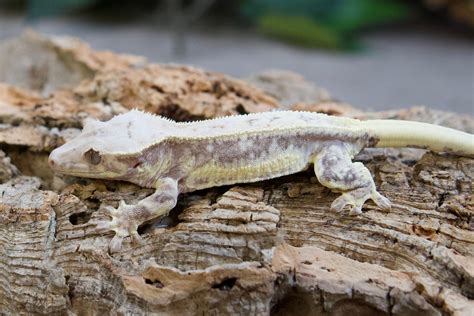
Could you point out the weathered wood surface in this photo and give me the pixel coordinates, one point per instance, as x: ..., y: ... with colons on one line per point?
x: 271, y: 247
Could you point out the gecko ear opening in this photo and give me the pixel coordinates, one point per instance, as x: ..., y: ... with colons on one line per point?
x: 92, y: 156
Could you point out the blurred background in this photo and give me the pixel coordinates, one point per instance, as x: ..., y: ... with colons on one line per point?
x: 372, y: 54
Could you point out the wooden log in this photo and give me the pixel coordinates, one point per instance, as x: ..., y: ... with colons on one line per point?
x: 271, y: 247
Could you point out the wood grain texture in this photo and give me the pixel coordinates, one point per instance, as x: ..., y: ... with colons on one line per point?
x: 271, y: 247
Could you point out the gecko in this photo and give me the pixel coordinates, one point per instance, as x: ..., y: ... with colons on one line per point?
x: 178, y: 157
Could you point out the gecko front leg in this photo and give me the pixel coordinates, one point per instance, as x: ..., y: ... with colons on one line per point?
x: 126, y: 218
x: 334, y: 169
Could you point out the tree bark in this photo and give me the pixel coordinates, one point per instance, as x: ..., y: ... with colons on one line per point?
x: 271, y: 247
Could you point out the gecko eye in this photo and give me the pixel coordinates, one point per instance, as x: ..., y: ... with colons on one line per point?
x: 92, y: 156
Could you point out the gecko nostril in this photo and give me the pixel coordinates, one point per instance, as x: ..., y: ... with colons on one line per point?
x: 51, y: 162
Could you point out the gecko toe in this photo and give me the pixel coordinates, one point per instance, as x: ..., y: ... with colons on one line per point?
x: 115, y: 244
x: 381, y: 201
x: 351, y: 200
x: 110, y: 210
x: 356, y: 210
x: 339, y: 204
x: 136, y: 238
x: 122, y: 204
x: 103, y: 227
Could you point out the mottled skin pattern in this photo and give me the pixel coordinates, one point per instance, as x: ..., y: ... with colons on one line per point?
x: 173, y: 158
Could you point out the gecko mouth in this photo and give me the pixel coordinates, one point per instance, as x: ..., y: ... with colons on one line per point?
x: 88, y: 174
x: 77, y: 173
x: 75, y: 169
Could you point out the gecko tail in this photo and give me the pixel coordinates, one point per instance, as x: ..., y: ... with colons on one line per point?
x: 398, y: 133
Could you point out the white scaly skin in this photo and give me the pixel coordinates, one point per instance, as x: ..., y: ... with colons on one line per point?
x: 173, y: 158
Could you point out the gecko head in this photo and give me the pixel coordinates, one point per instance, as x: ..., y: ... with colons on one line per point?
x: 84, y: 160
x: 95, y: 152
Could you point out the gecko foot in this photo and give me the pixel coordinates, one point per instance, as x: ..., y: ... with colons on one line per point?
x: 126, y: 218
x: 122, y: 224
x: 335, y: 170
x: 355, y: 199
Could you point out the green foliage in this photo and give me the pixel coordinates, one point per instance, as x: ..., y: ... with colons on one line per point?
x: 355, y: 15
x: 300, y: 30
x: 38, y: 8
x: 322, y: 23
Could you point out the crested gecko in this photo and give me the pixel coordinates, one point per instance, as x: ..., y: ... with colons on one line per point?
x: 173, y: 158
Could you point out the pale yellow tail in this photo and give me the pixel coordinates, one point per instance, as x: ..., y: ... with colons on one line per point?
x: 398, y: 133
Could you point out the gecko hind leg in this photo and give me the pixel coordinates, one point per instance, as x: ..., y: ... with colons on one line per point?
x: 334, y: 169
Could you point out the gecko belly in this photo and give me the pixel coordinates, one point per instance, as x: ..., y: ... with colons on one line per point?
x: 245, y: 159
x: 215, y: 174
